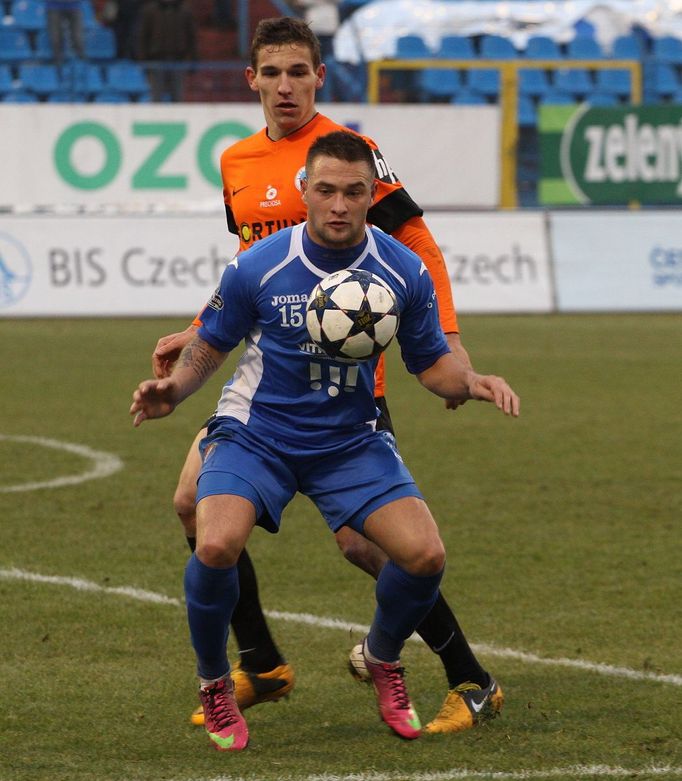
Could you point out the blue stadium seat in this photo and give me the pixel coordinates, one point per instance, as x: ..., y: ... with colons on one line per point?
x: 126, y: 77
x: 456, y: 47
x: 411, y: 47
x: 668, y: 50
x: 66, y: 96
x: 100, y: 44
x: 584, y: 48
x: 599, y: 98
x: 533, y: 82
x: 495, y: 47
x: 627, y: 47
x: 574, y: 80
x: 484, y: 80
x: 88, y: 15
x: 540, y: 47
x: 14, y: 45
x: 83, y: 77
x: 20, y: 96
x: 614, y: 81
x: 111, y: 96
x: 468, y: 97
x: 28, y: 14
x: 6, y: 80
x: 41, y: 79
x: 664, y: 82
x: 439, y: 83
x: 42, y: 49
x: 556, y: 97
x: 526, y: 113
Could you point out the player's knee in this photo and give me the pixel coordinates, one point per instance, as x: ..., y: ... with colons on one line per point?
x: 215, y: 553
x: 428, y: 560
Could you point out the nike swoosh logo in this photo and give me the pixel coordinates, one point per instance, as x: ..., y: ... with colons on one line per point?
x: 414, y: 721
x: 238, y: 190
x: 477, y: 707
x: 222, y: 742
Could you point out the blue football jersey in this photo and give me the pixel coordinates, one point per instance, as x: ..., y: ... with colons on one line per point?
x: 286, y: 387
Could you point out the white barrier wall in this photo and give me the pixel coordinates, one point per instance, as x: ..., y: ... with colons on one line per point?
x: 110, y: 265
x: 151, y: 154
x: 498, y: 262
x: 618, y: 261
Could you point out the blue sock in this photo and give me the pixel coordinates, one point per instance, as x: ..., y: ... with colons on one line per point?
x: 211, y: 594
x: 402, y: 602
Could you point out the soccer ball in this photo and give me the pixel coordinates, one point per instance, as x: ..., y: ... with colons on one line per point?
x: 356, y: 664
x: 352, y: 314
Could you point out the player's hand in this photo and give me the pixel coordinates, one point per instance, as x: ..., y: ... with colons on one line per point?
x: 167, y: 351
x: 152, y: 399
x: 488, y: 387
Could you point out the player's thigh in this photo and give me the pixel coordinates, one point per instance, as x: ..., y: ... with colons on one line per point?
x: 187, y: 482
x: 406, y: 531
x: 224, y: 522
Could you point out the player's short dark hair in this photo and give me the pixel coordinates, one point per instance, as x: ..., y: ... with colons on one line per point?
x: 283, y: 31
x: 341, y: 145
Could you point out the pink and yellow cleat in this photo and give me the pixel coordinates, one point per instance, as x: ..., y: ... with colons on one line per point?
x: 223, y: 721
x: 394, y: 703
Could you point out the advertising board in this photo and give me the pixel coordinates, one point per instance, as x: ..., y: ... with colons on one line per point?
x: 144, y: 155
x: 497, y: 262
x: 611, y: 155
x: 617, y: 261
x: 110, y: 265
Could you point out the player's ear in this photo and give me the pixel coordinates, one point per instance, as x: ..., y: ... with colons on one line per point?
x: 304, y: 189
x: 373, y: 192
x: 321, y: 74
x: 250, y: 74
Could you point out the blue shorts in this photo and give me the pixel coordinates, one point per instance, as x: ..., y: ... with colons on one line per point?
x: 346, y: 486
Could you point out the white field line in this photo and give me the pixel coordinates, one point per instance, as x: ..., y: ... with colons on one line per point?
x: 142, y: 595
x: 103, y: 464
x: 462, y: 774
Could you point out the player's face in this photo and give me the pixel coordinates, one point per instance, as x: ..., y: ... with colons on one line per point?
x: 286, y: 81
x: 338, y: 195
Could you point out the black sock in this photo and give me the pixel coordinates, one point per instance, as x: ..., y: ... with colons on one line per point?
x: 192, y: 542
x: 257, y: 650
x: 441, y: 632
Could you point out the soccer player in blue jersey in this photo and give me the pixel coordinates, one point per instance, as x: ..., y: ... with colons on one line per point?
x: 277, y: 432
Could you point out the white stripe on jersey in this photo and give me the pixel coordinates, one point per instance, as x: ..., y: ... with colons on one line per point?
x: 238, y: 393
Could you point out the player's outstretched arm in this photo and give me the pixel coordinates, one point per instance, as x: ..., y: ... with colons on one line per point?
x: 158, y: 398
x: 450, y: 379
x: 168, y: 349
x: 460, y: 352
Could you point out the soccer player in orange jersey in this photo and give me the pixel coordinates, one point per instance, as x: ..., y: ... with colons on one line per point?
x: 261, y: 184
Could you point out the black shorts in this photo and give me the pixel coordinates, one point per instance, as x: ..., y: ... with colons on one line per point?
x: 384, y: 422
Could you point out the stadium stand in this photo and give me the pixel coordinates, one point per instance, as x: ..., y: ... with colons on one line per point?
x: 100, y: 44
x: 14, y: 45
x: 494, y: 47
x: 28, y: 15
x: 41, y: 79
x: 540, y: 47
x: 456, y: 47
x: 126, y: 78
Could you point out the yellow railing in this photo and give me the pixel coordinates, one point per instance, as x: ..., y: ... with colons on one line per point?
x: 509, y: 96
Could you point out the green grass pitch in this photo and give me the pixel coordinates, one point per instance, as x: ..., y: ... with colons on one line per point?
x: 563, y: 538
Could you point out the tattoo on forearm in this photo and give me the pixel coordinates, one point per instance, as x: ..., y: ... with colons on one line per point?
x: 197, y: 357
